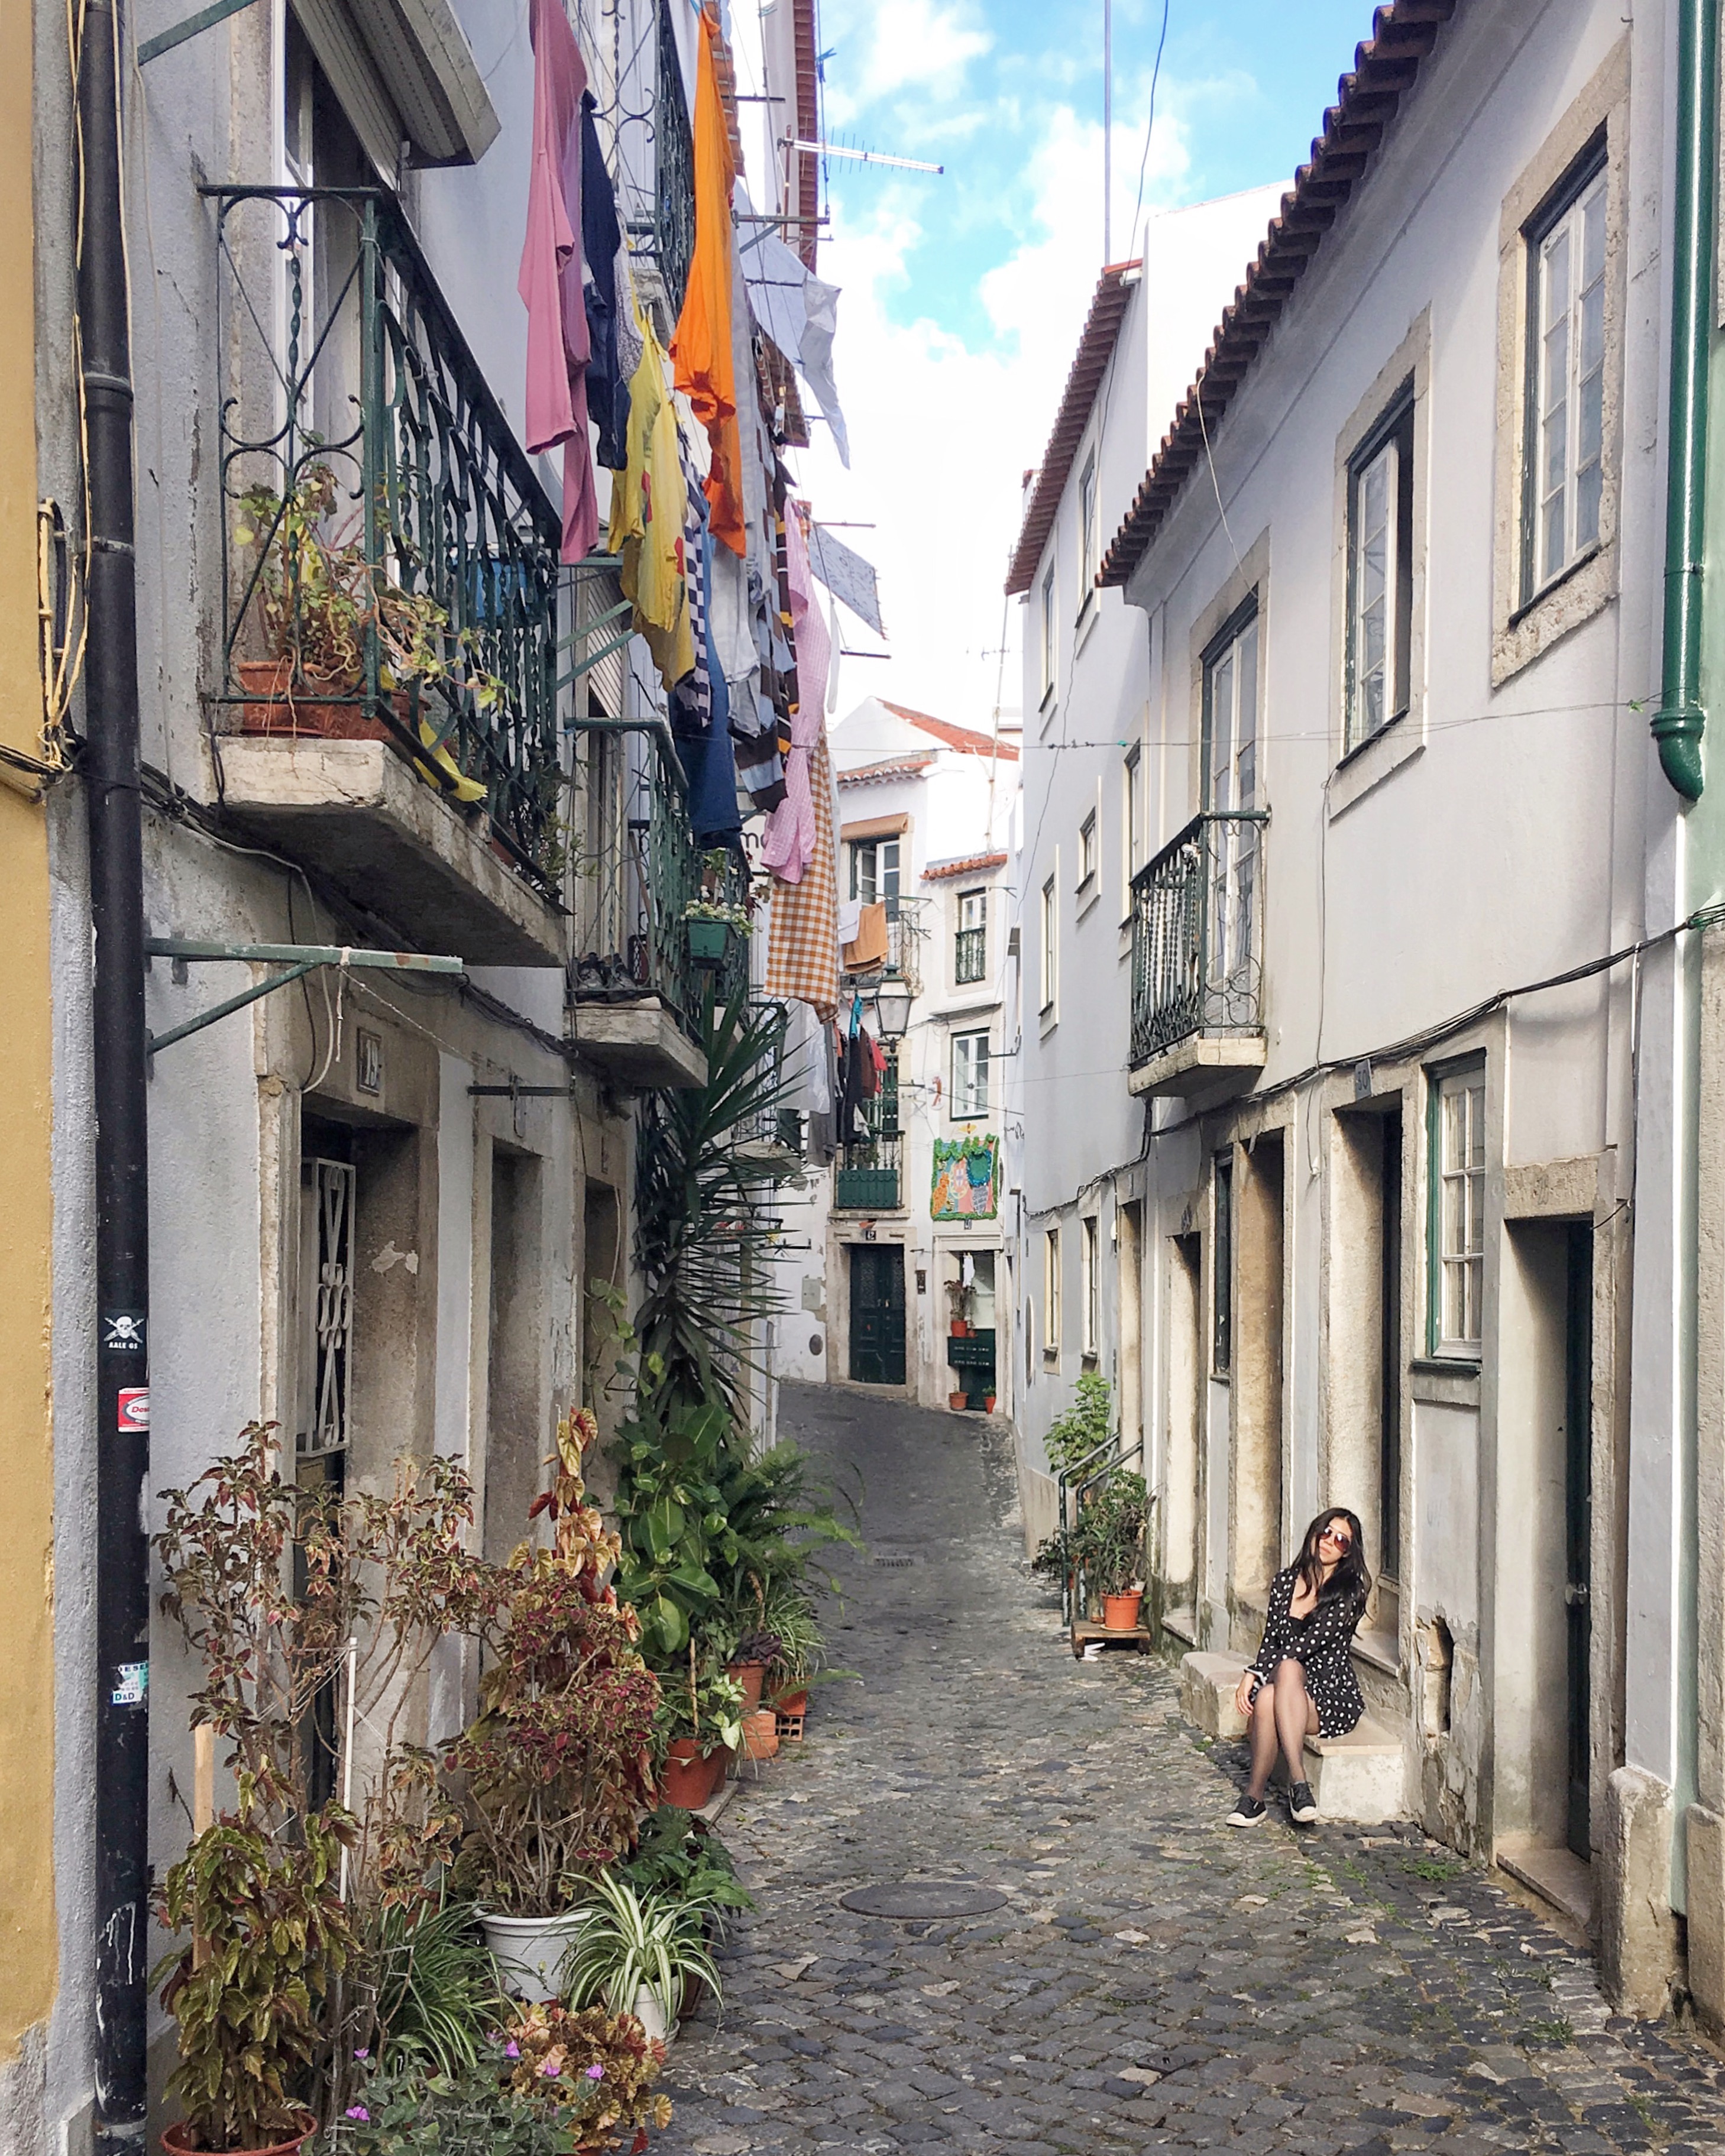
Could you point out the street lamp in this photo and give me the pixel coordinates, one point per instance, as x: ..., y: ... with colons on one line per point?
x: 892, y: 1008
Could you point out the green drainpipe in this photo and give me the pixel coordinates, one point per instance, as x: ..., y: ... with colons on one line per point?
x: 1681, y: 718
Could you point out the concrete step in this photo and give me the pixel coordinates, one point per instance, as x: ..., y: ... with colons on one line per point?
x: 1358, y: 1777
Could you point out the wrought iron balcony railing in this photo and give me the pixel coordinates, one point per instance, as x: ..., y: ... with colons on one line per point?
x: 637, y: 872
x: 970, y: 956
x: 905, y: 931
x: 389, y: 560
x: 867, y: 1178
x: 1198, y: 933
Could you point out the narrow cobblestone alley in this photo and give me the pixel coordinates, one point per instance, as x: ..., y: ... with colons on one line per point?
x: 1150, y: 1978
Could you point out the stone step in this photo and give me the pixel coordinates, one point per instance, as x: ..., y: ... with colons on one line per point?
x: 1358, y: 1777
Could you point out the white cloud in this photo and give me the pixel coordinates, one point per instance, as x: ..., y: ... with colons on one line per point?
x: 912, y: 44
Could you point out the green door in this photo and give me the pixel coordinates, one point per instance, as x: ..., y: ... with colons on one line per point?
x: 877, y: 1313
x: 1578, y: 1522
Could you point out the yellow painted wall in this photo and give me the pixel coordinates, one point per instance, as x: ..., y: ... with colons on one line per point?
x: 27, y: 1913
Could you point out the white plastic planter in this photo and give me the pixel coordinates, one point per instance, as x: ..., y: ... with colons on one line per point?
x: 530, y: 1952
x: 651, y: 2016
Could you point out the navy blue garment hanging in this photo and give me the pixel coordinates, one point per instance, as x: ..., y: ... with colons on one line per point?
x: 708, y: 757
x: 601, y: 236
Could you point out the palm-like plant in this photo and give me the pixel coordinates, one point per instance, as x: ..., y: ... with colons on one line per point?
x: 652, y: 1942
x: 438, y: 1992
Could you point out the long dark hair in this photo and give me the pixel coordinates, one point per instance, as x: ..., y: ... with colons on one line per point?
x: 1351, y: 1576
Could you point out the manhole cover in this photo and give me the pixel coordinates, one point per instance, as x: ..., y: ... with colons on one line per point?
x: 915, y: 1899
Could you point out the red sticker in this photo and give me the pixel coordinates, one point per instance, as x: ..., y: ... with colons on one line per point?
x: 133, y: 1407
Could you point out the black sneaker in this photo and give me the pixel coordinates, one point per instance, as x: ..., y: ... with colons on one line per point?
x: 1249, y: 1811
x: 1302, y: 1805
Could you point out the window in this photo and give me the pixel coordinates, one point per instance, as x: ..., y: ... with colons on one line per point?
x: 1087, y: 850
x: 1380, y: 575
x: 1458, y: 1212
x: 1052, y: 1295
x: 970, y: 1076
x: 1050, y: 930
x: 1087, y: 548
x: 1231, y: 786
x: 1087, y: 1253
x: 1222, y: 1266
x: 873, y: 870
x: 970, y: 955
x: 1048, y: 635
x: 1563, y: 482
x: 1131, y: 819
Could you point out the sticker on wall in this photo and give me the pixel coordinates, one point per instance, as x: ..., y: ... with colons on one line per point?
x: 967, y: 1179
x: 133, y: 1407
x: 124, y: 1329
x: 131, y: 1683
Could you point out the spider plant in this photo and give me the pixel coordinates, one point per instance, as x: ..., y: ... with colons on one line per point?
x: 653, y: 1942
x: 438, y: 1992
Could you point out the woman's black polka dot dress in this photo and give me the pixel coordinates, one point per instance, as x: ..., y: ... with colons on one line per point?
x: 1323, y: 1642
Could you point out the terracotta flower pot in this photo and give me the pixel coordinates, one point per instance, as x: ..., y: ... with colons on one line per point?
x: 957, y: 1401
x: 760, y: 1733
x: 987, y: 1403
x: 173, y: 2139
x: 751, y: 1676
x: 1120, y: 1612
x: 688, y: 1778
x: 274, y: 704
x: 792, y: 1703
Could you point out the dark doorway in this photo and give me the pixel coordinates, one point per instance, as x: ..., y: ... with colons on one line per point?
x: 1578, y: 1522
x: 877, y: 1313
x: 1389, y: 1380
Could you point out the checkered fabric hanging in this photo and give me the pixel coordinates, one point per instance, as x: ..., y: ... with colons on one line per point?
x: 803, y: 936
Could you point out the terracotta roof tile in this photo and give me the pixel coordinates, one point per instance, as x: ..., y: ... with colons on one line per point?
x: 963, y: 739
x: 965, y: 864
x: 1367, y: 101
x: 896, y: 767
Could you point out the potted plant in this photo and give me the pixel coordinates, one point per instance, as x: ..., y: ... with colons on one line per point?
x: 958, y: 1401
x: 637, y: 1952
x: 748, y: 1662
x: 698, y: 1725
x: 987, y: 1403
x: 270, y: 1935
x: 709, y: 924
x: 1111, y: 1541
x: 959, y: 1303
x: 558, y: 1761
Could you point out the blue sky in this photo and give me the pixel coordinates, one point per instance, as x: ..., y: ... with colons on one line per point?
x: 963, y: 294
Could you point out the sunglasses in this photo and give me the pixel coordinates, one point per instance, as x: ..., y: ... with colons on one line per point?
x: 1342, y: 1541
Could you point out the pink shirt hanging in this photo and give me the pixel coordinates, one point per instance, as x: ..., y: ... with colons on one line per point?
x: 788, y: 845
x: 550, y: 280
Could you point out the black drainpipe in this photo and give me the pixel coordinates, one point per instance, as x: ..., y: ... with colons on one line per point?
x: 110, y: 767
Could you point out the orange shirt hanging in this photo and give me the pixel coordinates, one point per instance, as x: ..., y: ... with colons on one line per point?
x: 702, y: 346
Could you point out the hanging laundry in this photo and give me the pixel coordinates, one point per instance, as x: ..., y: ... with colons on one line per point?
x: 702, y: 346
x: 601, y: 237
x: 869, y: 950
x: 800, y: 314
x: 788, y: 843
x: 849, y: 913
x: 803, y: 929
x: 550, y: 280
x: 816, y: 359
x: 648, y: 505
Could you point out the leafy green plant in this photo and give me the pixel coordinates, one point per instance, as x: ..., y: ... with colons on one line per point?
x: 1109, y: 1537
x: 704, y: 1704
x: 714, y: 909
x: 597, y: 2069
x: 679, y: 1855
x: 437, y: 1987
x: 269, y: 1936
x: 651, y: 1941
x: 1077, y: 1438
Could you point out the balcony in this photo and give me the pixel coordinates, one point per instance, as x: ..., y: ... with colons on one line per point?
x: 390, y: 580
x: 1197, y: 938
x: 905, y: 931
x: 867, y: 1178
x: 637, y: 990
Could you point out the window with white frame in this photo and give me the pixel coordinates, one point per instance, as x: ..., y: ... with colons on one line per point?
x: 1380, y: 573
x: 1564, y: 477
x: 1050, y: 943
x: 1087, y: 850
x: 1132, y: 821
x: 1087, y: 547
x: 970, y: 1076
x: 873, y: 870
x: 1087, y: 1253
x: 1048, y: 619
x: 970, y: 949
x: 1458, y: 1175
x: 1051, y: 1294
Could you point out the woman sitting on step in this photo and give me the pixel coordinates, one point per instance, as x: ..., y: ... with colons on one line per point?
x: 1302, y: 1681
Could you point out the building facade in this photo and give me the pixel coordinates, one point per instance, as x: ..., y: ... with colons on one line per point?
x: 1356, y: 1216
x: 895, y: 1242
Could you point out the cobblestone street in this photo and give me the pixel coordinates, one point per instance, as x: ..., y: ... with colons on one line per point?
x: 1152, y: 1978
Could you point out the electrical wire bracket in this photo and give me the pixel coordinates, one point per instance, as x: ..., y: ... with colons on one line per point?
x: 297, y: 960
